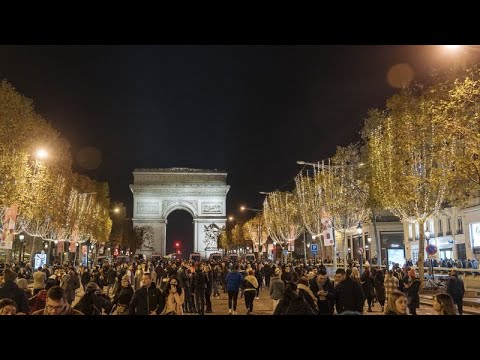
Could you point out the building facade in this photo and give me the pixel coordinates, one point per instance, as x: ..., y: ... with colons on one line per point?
x: 158, y: 192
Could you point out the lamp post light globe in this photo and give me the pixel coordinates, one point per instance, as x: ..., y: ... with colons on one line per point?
x: 359, y: 229
x: 427, y: 234
x: 360, y: 249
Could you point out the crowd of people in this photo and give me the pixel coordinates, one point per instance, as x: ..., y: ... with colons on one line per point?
x: 186, y: 287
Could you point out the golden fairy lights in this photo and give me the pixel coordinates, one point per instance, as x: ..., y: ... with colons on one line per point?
x: 282, y: 217
x: 413, y: 152
x: 343, y: 192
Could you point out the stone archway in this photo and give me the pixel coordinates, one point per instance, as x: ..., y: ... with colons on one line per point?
x: 158, y: 192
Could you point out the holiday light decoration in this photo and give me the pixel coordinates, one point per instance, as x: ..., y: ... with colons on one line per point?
x: 282, y: 218
x: 256, y: 231
x: 410, y: 157
x: 343, y: 192
x: 311, y: 207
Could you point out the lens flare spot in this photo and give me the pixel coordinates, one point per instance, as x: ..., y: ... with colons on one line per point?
x: 89, y: 158
x: 400, y: 76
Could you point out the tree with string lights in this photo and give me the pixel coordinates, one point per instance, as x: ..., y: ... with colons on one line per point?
x: 411, y: 157
x: 343, y: 192
x: 282, y: 217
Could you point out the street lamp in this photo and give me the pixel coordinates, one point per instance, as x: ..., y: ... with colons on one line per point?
x: 243, y: 208
x: 22, y: 250
x: 360, y: 248
x: 259, y: 231
x: 427, y: 237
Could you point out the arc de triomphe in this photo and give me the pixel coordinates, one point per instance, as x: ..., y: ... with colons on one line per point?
x: 158, y: 192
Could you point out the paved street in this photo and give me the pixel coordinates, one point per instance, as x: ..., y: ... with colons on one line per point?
x: 264, y: 305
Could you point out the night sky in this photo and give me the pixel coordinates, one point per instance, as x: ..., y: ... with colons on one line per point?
x: 252, y: 111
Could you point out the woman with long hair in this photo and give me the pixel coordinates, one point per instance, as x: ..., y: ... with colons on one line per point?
x: 443, y: 304
x: 174, y: 297
x: 396, y: 303
x: 123, y: 296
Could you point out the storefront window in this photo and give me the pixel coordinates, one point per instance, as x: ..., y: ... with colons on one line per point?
x: 459, y: 225
x: 475, y: 234
x: 414, y: 256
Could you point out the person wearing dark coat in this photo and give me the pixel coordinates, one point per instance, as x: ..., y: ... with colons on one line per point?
x: 368, y: 287
x: 85, y: 279
x: 199, y: 285
x: 306, y: 293
x: 380, y: 289
x: 10, y: 290
x: 324, y: 290
x: 208, y: 287
x: 123, y: 296
x: 94, y: 301
x: 349, y: 295
x: 411, y: 289
x: 267, y: 270
x: 456, y: 289
x: 234, y: 283
x: 72, y: 284
x: 292, y: 303
x: 148, y: 300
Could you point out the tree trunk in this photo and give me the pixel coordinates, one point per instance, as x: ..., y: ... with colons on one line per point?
x: 334, y: 246
x: 377, y: 240
x: 32, y: 258
x: 8, y: 257
x: 421, y: 251
x: 345, y: 249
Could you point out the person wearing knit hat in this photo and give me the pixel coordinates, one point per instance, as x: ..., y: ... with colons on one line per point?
x: 412, y: 288
x: 91, y: 287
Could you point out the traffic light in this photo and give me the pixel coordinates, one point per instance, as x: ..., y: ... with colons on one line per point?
x: 178, y: 251
x: 177, y: 244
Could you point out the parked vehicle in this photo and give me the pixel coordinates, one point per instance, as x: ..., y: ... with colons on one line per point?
x: 103, y: 260
x: 121, y: 259
x: 250, y: 257
x: 195, y: 257
x: 217, y: 257
x: 232, y: 257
